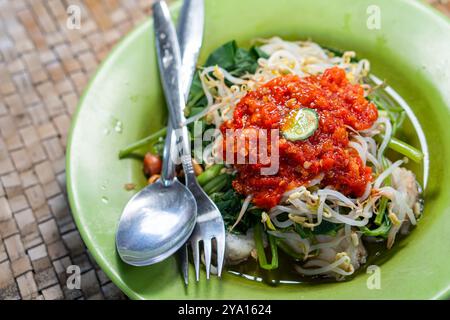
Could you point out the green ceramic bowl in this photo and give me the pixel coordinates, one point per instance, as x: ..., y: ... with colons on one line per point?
x: 124, y: 103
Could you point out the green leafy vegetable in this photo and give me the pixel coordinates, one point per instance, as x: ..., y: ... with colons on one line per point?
x: 259, y: 243
x: 223, y: 56
x: 381, y: 231
x: 385, y: 104
x: 326, y: 228
x: 237, y: 61
x: 229, y: 204
x: 305, y: 233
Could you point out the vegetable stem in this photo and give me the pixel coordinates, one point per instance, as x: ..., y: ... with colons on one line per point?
x: 209, y: 174
x: 260, y: 249
x: 139, y: 144
x: 404, y: 148
x: 384, y: 201
x: 216, y: 184
x: 381, y: 211
x: 196, y: 98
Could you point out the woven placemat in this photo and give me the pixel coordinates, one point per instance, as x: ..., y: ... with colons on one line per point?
x: 47, y: 57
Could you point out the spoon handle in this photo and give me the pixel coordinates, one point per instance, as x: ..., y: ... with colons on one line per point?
x: 169, y: 61
x: 168, y: 164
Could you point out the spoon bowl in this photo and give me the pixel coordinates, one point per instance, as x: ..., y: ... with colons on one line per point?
x: 155, y: 223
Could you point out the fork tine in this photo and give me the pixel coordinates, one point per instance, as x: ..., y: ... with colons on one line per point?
x: 185, y: 263
x: 207, y: 249
x: 220, y: 244
x: 196, y: 254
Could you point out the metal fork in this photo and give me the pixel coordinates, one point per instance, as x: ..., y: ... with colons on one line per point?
x: 210, y: 224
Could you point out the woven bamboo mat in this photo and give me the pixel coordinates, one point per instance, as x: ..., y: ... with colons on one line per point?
x: 44, y: 65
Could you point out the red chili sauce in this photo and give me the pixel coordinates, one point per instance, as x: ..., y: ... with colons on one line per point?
x: 338, y: 104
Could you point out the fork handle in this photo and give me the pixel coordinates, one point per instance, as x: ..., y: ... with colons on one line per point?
x: 190, y: 35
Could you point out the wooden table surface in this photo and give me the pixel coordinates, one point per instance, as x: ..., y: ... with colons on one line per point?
x: 44, y: 66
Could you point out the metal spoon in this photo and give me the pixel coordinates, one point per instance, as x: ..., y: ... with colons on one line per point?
x: 210, y: 225
x: 160, y: 218
x: 156, y: 221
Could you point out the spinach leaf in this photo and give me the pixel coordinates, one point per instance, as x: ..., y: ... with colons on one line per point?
x: 325, y: 228
x: 223, y: 56
x: 229, y: 204
x: 257, y: 52
x: 237, y: 61
x: 381, y: 231
x: 246, y: 61
x: 305, y: 233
